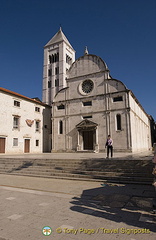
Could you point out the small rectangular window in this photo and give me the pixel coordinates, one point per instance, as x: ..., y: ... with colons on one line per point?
x: 37, y: 109
x: 89, y: 103
x: 15, y: 142
x: 61, y: 107
x: 37, y: 143
x: 16, y: 103
x: 118, y: 99
x: 85, y: 117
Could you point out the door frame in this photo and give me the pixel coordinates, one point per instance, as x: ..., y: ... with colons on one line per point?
x: 3, y: 145
x: 88, y: 139
x: 26, y: 147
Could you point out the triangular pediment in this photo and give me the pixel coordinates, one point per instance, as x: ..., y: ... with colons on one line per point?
x: 86, y: 124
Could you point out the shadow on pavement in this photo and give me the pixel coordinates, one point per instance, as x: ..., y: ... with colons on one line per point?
x: 126, y: 203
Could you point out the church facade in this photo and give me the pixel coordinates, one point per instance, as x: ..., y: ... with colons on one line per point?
x: 88, y: 104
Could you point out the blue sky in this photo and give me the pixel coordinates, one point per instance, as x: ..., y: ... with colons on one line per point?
x: 121, y: 32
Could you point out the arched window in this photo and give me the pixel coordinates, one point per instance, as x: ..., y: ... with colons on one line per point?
x: 57, y: 57
x: 50, y: 59
x: 118, y: 122
x: 60, y: 127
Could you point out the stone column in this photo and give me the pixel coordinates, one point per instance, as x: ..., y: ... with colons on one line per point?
x: 96, y: 148
x: 78, y: 141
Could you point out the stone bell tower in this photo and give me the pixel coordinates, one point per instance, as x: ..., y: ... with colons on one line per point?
x: 58, y: 57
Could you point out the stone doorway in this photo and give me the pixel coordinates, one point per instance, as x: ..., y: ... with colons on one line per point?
x: 87, y: 136
x: 87, y: 140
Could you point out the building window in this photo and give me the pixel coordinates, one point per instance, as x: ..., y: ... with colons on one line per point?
x: 15, y: 142
x: 57, y: 57
x: 61, y: 127
x: 37, y: 109
x: 118, y: 99
x: 61, y: 107
x: 16, y: 122
x: 56, y: 70
x: 118, y: 122
x: 85, y: 117
x: 56, y: 82
x: 68, y: 59
x: 16, y: 103
x: 87, y: 86
x: 49, y: 72
x: 50, y: 59
x: 49, y: 84
x: 89, y: 103
x: 37, y: 126
x: 37, y: 143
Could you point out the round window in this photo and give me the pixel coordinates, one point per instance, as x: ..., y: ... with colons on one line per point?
x: 87, y: 86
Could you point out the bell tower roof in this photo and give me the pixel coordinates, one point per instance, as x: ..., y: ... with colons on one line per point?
x: 59, y: 37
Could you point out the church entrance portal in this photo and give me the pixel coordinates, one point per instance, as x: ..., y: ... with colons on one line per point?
x: 87, y: 140
x: 87, y: 136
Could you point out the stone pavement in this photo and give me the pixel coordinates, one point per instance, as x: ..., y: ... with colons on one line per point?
x: 81, y: 155
x: 78, y: 210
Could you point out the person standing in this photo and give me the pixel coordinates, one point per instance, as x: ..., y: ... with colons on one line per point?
x: 109, y: 145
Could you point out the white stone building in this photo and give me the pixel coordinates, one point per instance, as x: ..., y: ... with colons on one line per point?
x: 25, y: 124
x: 88, y: 104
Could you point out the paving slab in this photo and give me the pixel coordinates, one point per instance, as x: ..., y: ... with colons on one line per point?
x: 74, y: 210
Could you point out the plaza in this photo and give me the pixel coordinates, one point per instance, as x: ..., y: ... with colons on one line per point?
x: 74, y: 209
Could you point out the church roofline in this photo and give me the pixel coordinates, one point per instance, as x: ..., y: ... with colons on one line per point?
x: 118, y: 81
x: 62, y: 89
x: 137, y: 101
x: 93, y: 55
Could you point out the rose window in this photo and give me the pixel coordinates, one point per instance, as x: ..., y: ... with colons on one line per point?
x: 87, y: 86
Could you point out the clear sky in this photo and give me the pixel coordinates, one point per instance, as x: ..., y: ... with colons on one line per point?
x: 121, y: 32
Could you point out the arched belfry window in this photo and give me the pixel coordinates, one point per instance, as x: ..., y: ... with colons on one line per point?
x: 118, y: 122
x: 50, y: 59
x: 60, y: 127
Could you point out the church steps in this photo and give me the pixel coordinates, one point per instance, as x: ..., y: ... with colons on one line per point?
x: 77, y: 170
x: 117, y: 179
x: 95, y: 169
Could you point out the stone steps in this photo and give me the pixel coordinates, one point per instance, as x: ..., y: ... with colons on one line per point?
x: 116, y: 170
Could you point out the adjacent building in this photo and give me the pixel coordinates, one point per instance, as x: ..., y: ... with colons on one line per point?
x: 25, y: 124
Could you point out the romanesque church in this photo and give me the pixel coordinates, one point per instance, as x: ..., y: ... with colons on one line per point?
x: 88, y: 103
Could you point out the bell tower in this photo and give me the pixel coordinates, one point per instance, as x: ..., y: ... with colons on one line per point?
x: 58, y: 57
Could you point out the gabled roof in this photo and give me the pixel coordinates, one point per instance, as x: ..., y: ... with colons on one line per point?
x: 59, y: 37
x: 34, y: 100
